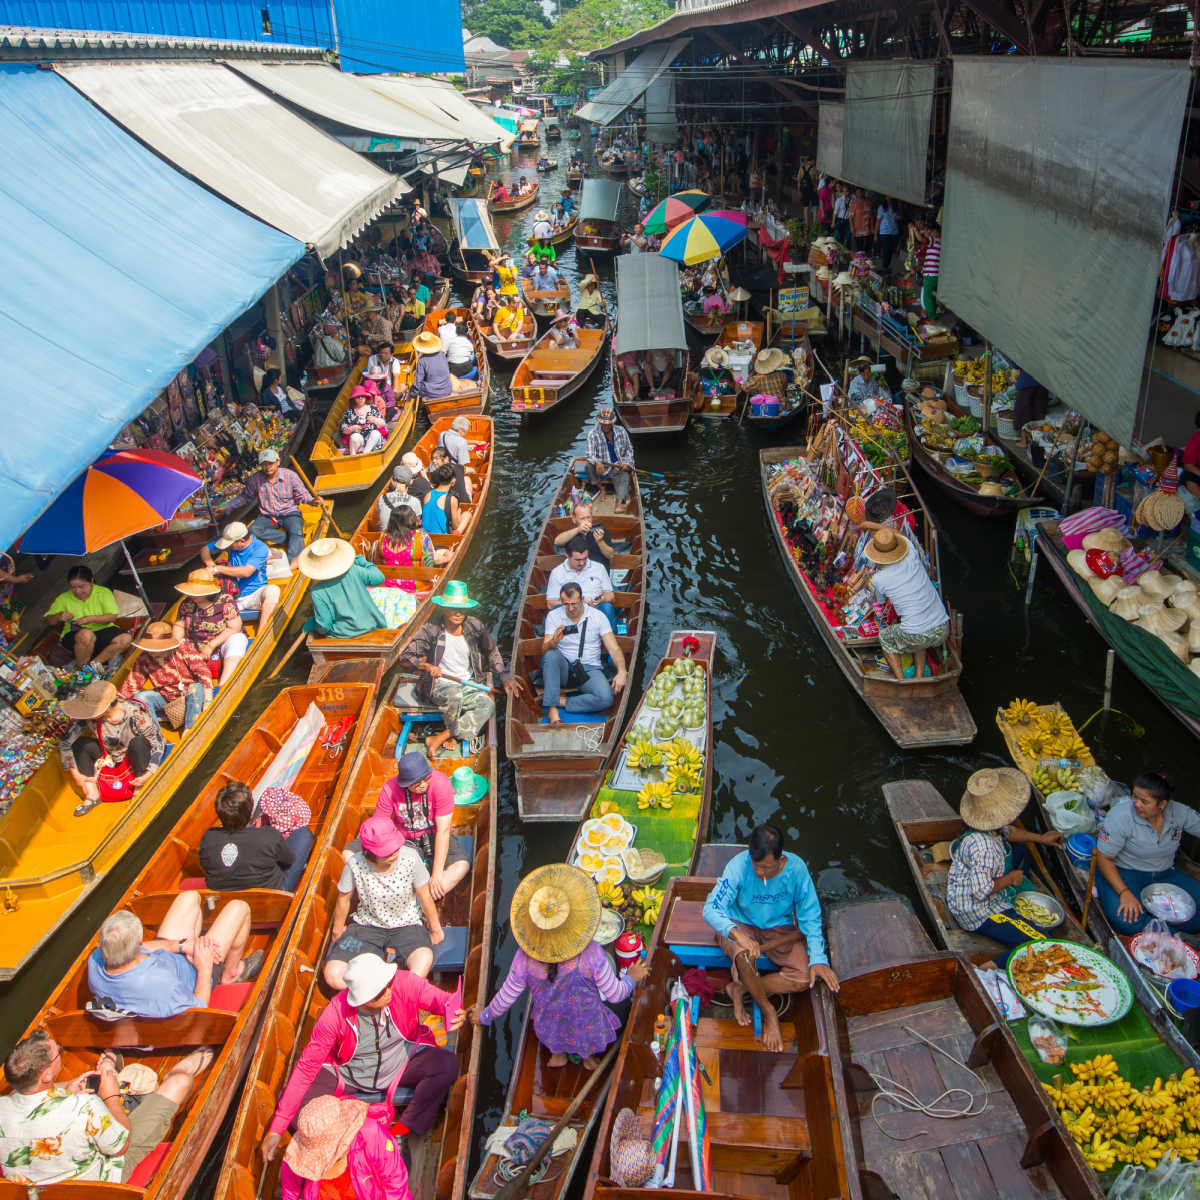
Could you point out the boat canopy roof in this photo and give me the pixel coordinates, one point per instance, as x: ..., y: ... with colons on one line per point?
x: 649, y: 303
x: 472, y: 225
x: 600, y: 199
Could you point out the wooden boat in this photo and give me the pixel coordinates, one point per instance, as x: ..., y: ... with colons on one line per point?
x: 336, y: 473
x: 440, y: 1159
x: 707, y: 327
x: 386, y: 644
x: 564, y: 235
x: 469, y: 397
x: 574, y: 177
x: 53, y: 860
x: 915, y: 712
x: 548, y: 164
x: 637, y: 187
x: 788, y: 411
x: 964, y: 491
x: 548, y: 374
x: 515, y: 203
x: 724, y: 403
x: 895, y: 992
x: 508, y: 349
x: 528, y: 134
x: 650, y: 324
x: 553, y: 132
x: 616, y: 166
x: 599, y: 231
x: 469, y: 267
x: 559, y: 768
x: 474, y: 241
x: 533, y: 1086
x: 1049, y: 541
x: 546, y: 303
x: 230, y: 1022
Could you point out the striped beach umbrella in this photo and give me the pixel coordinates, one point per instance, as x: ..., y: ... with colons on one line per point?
x: 674, y: 210
x: 704, y: 236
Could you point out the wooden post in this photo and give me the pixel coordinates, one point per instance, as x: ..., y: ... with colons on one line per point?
x: 987, y: 385
x: 275, y: 327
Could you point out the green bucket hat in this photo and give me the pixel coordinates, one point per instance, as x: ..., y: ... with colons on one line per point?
x: 455, y: 596
x: 468, y: 787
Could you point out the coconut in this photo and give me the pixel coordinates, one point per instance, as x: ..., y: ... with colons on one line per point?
x: 1158, y: 584
x: 1187, y: 603
x: 1106, y: 589
x: 1163, y: 620
x: 1127, y: 603
x: 1177, y: 644
x: 1185, y: 587
x: 1193, y: 637
x: 1077, y: 560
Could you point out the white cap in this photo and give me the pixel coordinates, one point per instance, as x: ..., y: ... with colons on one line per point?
x: 366, y: 976
x: 233, y: 532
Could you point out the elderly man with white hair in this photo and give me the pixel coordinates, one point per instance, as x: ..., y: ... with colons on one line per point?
x: 454, y: 442
x: 167, y: 975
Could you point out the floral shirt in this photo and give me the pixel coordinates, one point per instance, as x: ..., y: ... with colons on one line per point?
x: 57, y: 1136
x: 115, y: 739
x: 171, y: 675
x: 203, y: 621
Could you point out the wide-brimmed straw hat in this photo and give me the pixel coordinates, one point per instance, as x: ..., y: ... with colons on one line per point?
x: 427, y: 343
x: 541, y: 215
x: 93, y: 701
x: 200, y: 582
x: 861, y: 361
x: 631, y: 1160
x: 326, y: 558
x: 714, y: 356
x: 157, y: 638
x: 555, y: 912
x: 1111, y: 541
x: 995, y: 797
x: 325, y: 1129
x: 886, y: 546
x: 455, y: 595
x: 769, y: 360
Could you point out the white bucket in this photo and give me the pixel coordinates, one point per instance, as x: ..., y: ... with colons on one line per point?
x: 1005, y: 428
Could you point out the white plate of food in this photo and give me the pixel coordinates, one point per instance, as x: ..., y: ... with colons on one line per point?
x: 1069, y: 983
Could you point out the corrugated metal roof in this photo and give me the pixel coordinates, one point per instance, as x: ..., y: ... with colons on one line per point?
x: 19, y: 41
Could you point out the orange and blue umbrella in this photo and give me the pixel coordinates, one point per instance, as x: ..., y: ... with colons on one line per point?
x: 122, y: 493
x: 674, y: 210
x: 704, y: 236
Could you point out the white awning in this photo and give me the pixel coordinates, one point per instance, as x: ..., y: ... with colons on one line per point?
x: 445, y: 101
x: 609, y: 103
x: 327, y: 92
x: 243, y: 145
x: 448, y: 171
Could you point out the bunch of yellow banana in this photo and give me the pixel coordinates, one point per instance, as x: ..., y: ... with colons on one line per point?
x: 643, y: 755
x: 1123, y: 1124
x: 1162, y: 1122
x: 1081, y: 1127
x: 1054, y: 724
x: 1036, y: 745
x: 1187, y: 1146
x: 1100, y: 1154
x: 1115, y: 1094
x: 684, y: 780
x: 1020, y: 712
x: 1144, y: 1153
x: 610, y: 894
x: 680, y: 753
x: 1074, y: 1097
x: 1187, y: 1084
x: 655, y: 795
x: 1190, y: 1110
x: 1103, y: 1066
x: 651, y: 901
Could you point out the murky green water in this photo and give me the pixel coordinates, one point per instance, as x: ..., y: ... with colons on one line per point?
x: 794, y: 743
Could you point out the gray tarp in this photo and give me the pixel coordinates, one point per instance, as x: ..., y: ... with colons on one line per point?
x: 649, y: 305
x: 662, y: 128
x: 600, y: 199
x: 610, y: 102
x: 886, y: 141
x: 1059, y: 175
x: 830, y: 127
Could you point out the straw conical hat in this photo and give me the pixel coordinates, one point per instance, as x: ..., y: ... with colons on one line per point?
x: 995, y: 797
x: 555, y: 912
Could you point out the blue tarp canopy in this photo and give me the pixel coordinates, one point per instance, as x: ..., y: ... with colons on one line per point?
x: 473, y: 225
x: 115, y: 271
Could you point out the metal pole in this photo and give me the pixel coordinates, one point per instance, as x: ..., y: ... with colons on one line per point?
x: 136, y: 577
x: 1033, y: 562
x: 1110, y: 662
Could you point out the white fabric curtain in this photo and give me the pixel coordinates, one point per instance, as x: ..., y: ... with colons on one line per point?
x: 831, y: 120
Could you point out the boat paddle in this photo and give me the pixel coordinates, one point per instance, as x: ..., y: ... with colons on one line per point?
x: 515, y: 1189
x: 325, y: 505
x: 1087, y: 899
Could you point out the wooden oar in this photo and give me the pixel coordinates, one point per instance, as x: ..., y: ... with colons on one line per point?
x: 1087, y: 899
x: 1040, y: 863
x: 325, y: 505
x: 516, y: 1188
x: 288, y: 654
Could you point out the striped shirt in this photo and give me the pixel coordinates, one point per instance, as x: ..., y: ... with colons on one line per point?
x: 932, y: 260
x: 978, y: 862
x: 277, y: 497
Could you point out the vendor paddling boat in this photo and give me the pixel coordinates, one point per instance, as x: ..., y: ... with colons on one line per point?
x: 440, y: 1159
x: 550, y: 374
x: 55, y: 860
x: 656, y: 844
x: 517, y: 203
x: 546, y: 303
x: 469, y: 397
x: 512, y: 348
x: 598, y: 231
x: 284, y: 745
x: 420, y: 582
x: 547, y: 164
x: 763, y: 407
x: 474, y: 242
x: 800, y: 492
x: 559, y: 767
x: 337, y: 473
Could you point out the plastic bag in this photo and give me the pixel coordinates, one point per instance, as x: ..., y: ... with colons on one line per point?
x: 1069, y: 813
x: 1008, y: 1003
x: 1098, y: 789
x: 1128, y: 1185
x: 1048, y: 1039
x: 1163, y: 953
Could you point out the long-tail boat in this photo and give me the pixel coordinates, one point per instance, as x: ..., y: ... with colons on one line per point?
x: 513, y: 204
x: 550, y: 373
x: 714, y: 392
x: 599, y: 230
x: 337, y: 473
x: 386, y: 644
x: 514, y: 347
x: 469, y: 397
x: 915, y: 712
x: 275, y: 748
x: 546, y: 303
x: 574, y: 177
x: 528, y: 135
x: 559, y: 767
x: 440, y: 1160
x: 52, y: 860
x: 673, y: 835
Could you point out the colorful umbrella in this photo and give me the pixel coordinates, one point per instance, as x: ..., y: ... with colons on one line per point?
x: 120, y: 494
x: 674, y: 210
x: 707, y: 235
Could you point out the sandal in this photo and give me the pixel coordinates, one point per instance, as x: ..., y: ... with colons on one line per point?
x: 82, y: 810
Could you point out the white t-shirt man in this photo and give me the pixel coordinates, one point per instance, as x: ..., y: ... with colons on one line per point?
x: 456, y: 446
x: 594, y: 580
x: 542, y: 230
x: 456, y: 658
x: 595, y: 629
x: 447, y: 331
x: 392, y: 365
x: 460, y: 350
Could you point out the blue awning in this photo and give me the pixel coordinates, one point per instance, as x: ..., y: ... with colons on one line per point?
x: 115, y: 272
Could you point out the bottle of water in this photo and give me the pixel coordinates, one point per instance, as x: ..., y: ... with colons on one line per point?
x: 1060, y: 764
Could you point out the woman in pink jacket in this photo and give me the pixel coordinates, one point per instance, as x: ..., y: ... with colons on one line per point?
x: 370, y: 1041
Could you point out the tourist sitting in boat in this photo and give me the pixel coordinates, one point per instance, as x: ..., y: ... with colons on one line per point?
x: 610, y: 456
x: 590, y: 311
x: 922, y: 621
x: 658, y: 367
x: 363, y: 428
x: 629, y: 375
x: 245, y: 853
x: 485, y: 304
x: 863, y: 386
x: 460, y: 353
x: 357, y: 300
x: 575, y: 634
x: 368, y: 1043
x: 523, y: 185
x: 414, y: 310
x: 385, y: 372
x: 581, y: 568
x: 445, y: 329
x: 278, y: 491
x: 393, y: 310
x: 458, y: 450
x: 545, y: 278
x: 208, y: 618
x: 339, y: 1151
x: 173, y: 972
x: 114, y: 748
x: 529, y: 266
x: 1136, y: 846
x: 433, y: 380
x: 542, y: 230
x: 88, y: 614
x: 171, y: 677
x: 509, y: 320
x: 79, y: 1131
x: 554, y: 916
x: 275, y: 394
x: 600, y: 547
x: 372, y: 329
x: 560, y: 218
x: 394, y: 904
x: 441, y: 512
x: 455, y: 654
x: 504, y: 274
x: 544, y: 251
x: 247, y: 565
x: 341, y: 605
x: 500, y: 194
x: 765, y: 905
x: 714, y: 303
x: 405, y: 544
x: 563, y: 334
x: 427, y: 266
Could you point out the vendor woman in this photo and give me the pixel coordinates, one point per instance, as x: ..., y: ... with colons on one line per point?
x: 863, y: 386
x: 1136, y: 846
x: 988, y: 863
